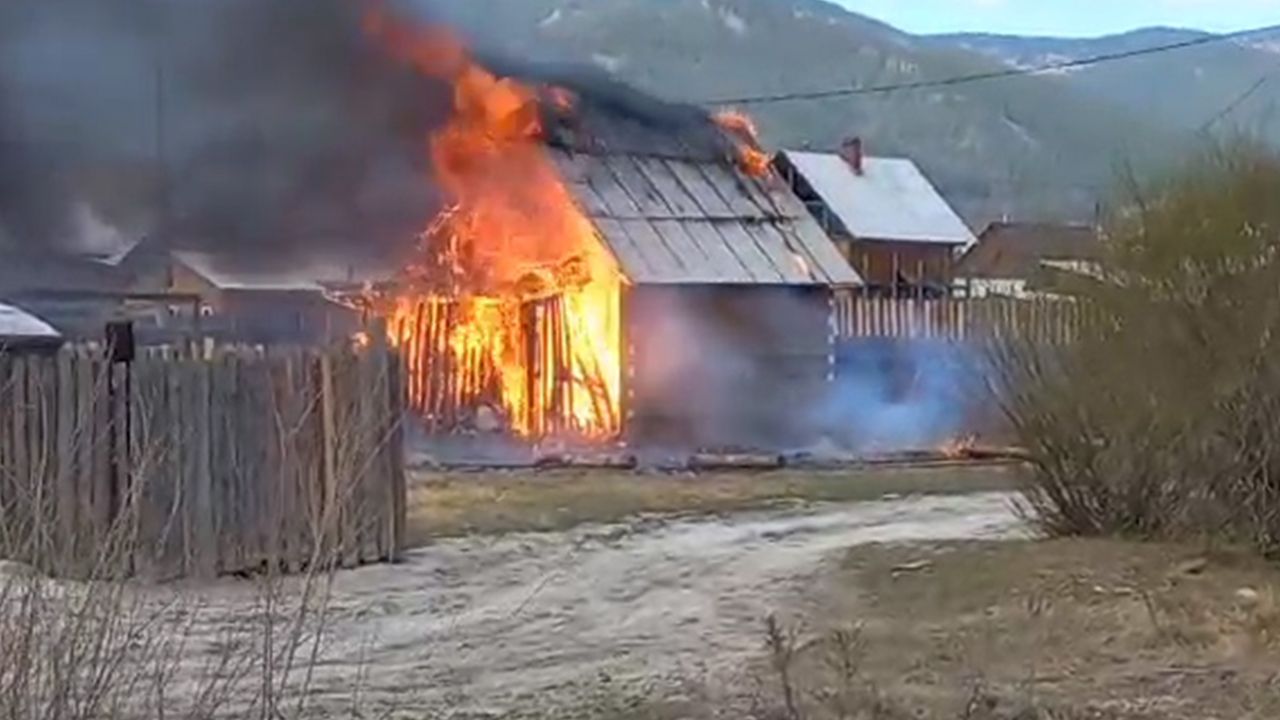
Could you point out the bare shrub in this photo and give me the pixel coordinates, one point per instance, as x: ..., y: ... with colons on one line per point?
x: 112, y: 643
x: 1160, y: 419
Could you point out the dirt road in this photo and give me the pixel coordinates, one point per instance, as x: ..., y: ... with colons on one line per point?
x: 550, y: 619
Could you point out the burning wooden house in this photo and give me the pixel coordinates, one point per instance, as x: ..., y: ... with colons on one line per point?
x: 608, y: 266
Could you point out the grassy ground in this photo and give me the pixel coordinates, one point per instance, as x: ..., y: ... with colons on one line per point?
x: 1061, y: 629
x: 449, y: 504
x: 1026, y: 630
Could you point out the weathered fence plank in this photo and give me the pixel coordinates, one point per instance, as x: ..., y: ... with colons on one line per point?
x: 958, y: 319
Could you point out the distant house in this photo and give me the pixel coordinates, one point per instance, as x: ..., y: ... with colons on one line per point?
x: 20, y: 331
x: 890, y: 222
x: 1014, y: 259
x: 74, y: 294
x: 260, y: 299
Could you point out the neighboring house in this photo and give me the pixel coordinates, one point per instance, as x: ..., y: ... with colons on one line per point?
x: 20, y: 331
x: 260, y: 299
x: 888, y: 220
x: 1015, y: 259
x: 24, y: 271
x: 74, y: 294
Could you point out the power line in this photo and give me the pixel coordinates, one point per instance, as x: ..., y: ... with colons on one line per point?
x: 979, y: 77
x: 1237, y: 102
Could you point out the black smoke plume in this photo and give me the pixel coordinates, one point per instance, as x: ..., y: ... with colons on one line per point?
x: 251, y: 123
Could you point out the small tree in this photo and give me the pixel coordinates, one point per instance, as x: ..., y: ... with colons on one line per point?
x: 1159, y: 420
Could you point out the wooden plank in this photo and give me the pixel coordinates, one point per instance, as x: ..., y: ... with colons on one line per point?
x: 589, y: 200
x: 16, y: 507
x: 84, y: 431
x: 698, y: 262
x: 200, y: 447
x: 238, y: 500
x: 368, y: 433
x: 733, y: 191
x: 384, y: 464
x: 772, y: 203
x: 166, y: 381
x: 725, y: 261
x: 272, y: 480
x: 253, y: 434
x: 183, y: 388
x: 293, y: 506
x: 8, y: 464
x: 616, y: 199
x: 662, y: 259
x: 678, y: 201
x: 310, y: 451
x: 226, y: 396
x: 787, y: 261
x: 149, y: 448
x: 41, y: 402
x: 642, y: 191
x: 632, y: 257
x: 147, y: 473
x: 349, y: 456
x: 123, y: 507
x: 328, y: 459
x: 395, y: 456
x: 698, y: 187
x: 100, y: 491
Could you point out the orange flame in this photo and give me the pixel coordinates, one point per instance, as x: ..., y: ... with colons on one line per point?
x: 511, y: 235
x: 958, y: 448
x: 751, y: 158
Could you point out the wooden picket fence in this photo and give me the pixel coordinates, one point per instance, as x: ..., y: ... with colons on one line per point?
x: 202, y: 460
x: 960, y: 319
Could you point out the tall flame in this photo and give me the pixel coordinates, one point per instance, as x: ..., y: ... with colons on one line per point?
x: 511, y: 234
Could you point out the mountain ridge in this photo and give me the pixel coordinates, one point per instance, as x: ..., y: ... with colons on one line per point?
x: 1040, y: 147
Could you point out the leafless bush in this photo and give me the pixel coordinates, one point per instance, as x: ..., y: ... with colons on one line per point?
x: 113, y: 644
x: 1160, y: 420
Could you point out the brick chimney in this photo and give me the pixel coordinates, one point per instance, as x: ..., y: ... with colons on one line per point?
x: 851, y: 152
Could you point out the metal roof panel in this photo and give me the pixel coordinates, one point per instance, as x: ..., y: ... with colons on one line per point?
x: 890, y: 200
x: 699, y: 222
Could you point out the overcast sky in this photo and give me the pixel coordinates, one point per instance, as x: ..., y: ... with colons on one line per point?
x: 1067, y: 17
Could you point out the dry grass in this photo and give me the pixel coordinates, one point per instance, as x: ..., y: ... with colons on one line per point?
x: 1080, y: 626
x: 449, y: 504
x: 1057, y: 630
x: 111, y: 647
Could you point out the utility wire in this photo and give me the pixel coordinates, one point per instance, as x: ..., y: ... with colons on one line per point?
x: 1237, y: 102
x: 979, y: 77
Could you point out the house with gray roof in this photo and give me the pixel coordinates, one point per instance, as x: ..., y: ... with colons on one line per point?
x: 1023, y: 259
x: 884, y: 215
x: 22, y: 331
x: 262, y: 297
